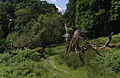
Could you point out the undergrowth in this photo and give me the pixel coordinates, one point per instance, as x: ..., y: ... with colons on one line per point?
x: 22, y: 65
x: 26, y: 64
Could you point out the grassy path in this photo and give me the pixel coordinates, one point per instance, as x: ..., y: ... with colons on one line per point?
x: 61, y: 70
x: 54, y: 68
x: 53, y: 65
x: 53, y: 71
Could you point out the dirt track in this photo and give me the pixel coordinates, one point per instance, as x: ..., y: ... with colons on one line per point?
x: 53, y: 66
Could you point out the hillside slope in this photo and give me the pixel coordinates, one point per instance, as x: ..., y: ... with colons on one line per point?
x: 54, y: 64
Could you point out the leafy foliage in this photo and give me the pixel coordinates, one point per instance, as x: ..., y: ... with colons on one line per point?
x: 48, y: 29
x: 31, y: 22
x: 110, y: 62
x: 98, y: 16
x: 24, y: 64
x: 70, y: 13
x: 6, y: 18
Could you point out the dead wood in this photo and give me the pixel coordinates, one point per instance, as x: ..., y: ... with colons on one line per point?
x: 74, y: 42
x: 40, y: 52
x: 86, y: 46
x: 67, y: 39
x: 114, y: 45
x: 8, y: 49
x: 108, y: 41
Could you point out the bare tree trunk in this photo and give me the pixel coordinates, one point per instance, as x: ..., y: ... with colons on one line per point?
x: 74, y: 43
x: 67, y: 39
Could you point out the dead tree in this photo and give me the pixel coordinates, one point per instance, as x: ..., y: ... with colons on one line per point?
x: 80, y: 50
x: 74, y: 43
x: 67, y: 38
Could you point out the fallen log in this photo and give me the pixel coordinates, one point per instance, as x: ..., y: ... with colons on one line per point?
x: 114, y: 45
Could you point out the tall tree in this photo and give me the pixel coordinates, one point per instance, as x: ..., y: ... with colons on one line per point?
x: 98, y: 16
x: 70, y: 13
x: 29, y: 11
x: 37, y: 23
x: 7, y: 17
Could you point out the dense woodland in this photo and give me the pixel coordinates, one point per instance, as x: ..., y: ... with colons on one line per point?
x: 94, y: 15
x: 32, y: 42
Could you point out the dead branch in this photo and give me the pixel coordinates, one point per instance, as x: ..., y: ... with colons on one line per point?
x: 41, y: 51
x: 3, y: 47
x: 95, y: 49
x: 86, y: 46
x: 25, y: 44
x: 114, y: 45
x: 8, y: 49
x: 30, y: 41
x: 73, y: 44
x: 108, y: 41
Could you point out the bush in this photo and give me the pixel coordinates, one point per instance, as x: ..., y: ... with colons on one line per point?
x: 48, y: 29
x: 23, y: 64
x: 106, y: 67
x: 111, y: 62
x: 5, y: 57
x: 26, y: 68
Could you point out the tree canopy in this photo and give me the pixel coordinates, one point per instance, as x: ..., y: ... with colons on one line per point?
x: 34, y: 21
x: 100, y: 17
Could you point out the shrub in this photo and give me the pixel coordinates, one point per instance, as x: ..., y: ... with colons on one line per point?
x: 26, y: 68
x: 110, y: 62
x: 106, y: 67
x: 48, y: 29
x: 23, y: 64
x: 5, y: 57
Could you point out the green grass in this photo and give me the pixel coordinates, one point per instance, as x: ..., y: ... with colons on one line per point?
x: 26, y: 64
x: 78, y: 73
x: 115, y: 39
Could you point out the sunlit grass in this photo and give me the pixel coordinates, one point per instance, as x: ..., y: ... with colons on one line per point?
x: 26, y: 64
